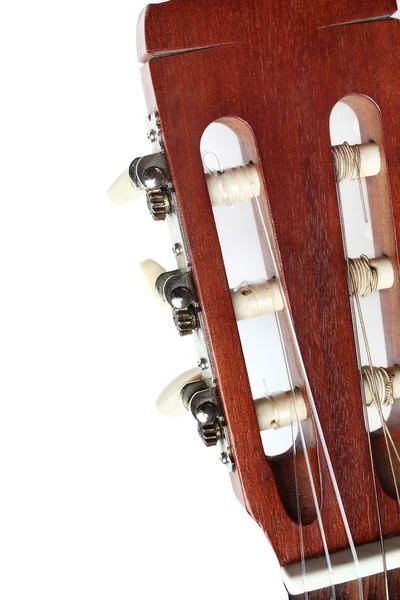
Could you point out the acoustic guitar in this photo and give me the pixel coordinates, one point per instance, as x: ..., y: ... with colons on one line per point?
x: 316, y: 462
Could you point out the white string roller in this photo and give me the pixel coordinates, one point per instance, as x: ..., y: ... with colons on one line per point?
x: 256, y: 299
x: 231, y: 186
x: 368, y: 275
x: 353, y: 162
x: 381, y: 385
x: 280, y: 409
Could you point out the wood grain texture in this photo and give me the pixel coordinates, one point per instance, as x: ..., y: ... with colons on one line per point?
x: 279, y: 68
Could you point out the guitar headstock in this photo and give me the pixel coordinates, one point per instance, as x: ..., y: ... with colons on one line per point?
x: 273, y: 72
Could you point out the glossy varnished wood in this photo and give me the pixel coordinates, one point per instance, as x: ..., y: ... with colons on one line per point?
x: 279, y: 67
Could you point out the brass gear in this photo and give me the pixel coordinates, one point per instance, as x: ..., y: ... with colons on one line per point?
x: 185, y: 320
x: 158, y: 204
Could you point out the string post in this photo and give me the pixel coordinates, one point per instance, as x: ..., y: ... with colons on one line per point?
x: 281, y: 409
x: 353, y: 162
x: 368, y: 275
x: 235, y: 185
x: 257, y: 299
x: 381, y: 385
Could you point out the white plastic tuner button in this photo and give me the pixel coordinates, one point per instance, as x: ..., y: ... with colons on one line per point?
x: 123, y: 190
x: 151, y: 270
x: 169, y: 402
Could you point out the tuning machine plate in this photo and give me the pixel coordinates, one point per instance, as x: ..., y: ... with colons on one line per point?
x: 155, y: 135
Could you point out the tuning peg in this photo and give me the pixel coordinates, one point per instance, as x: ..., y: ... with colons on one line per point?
x: 123, y: 190
x: 250, y: 300
x: 169, y: 402
x: 151, y: 271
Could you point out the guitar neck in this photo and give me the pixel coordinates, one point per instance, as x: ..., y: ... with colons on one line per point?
x: 374, y: 588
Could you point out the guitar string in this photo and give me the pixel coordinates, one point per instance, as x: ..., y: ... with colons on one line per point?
x: 355, y: 299
x: 298, y: 502
x: 316, y: 419
x: 298, y: 507
x: 319, y: 431
x: 375, y: 397
x: 310, y: 477
x: 378, y: 406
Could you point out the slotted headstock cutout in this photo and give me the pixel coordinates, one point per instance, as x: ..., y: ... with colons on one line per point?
x: 273, y: 366
x: 368, y: 231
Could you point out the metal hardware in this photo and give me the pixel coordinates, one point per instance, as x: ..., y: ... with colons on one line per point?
x: 147, y: 169
x: 205, y: 401
x: 185, y: 320
x: 181, y: 298
x: 170, y: 282
x: 155, y: 135
x: 177, y: 249
x: 203, y: 364
x: 154, y: 178
x: 158, y: 204
x: 207, y: 413
x: 210, y: 433
x: 177, y: 288
x: 189, y: 390
x: 224, y: 447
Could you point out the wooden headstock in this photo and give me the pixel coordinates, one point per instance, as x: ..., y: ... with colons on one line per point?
x: 273, y: 71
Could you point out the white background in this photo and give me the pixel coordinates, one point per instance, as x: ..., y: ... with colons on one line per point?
x: 101, y: 497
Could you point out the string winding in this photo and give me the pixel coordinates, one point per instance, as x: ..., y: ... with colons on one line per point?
x: 380, y: 383
x: 259, y: 298
x: 347, y: 161
x: 364, y: 277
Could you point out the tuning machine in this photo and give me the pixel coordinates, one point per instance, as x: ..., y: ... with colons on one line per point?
x: 176, y: 290
x: 190, y: 393
x: 146, y: 174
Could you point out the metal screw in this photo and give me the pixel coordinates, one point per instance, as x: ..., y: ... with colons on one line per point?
x: 177, y: 249
x: 203, y: 364
x: 224, y: 458
x: 152, y: 136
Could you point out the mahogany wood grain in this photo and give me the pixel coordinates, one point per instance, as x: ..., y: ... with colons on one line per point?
x: 280, y: 67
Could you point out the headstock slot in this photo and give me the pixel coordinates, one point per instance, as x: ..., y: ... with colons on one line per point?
x: 247, y: 256
x: 383, y: 306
